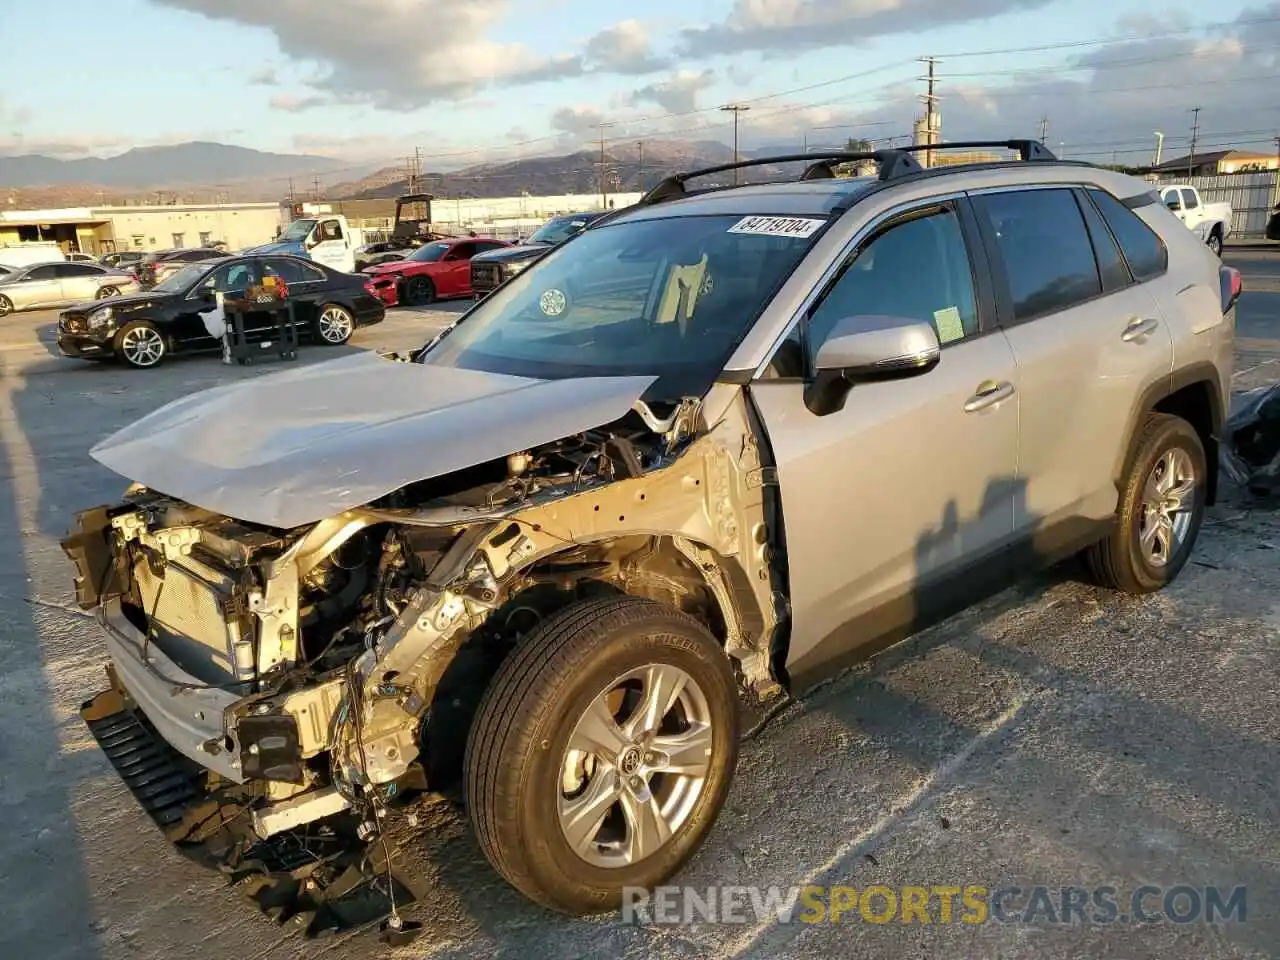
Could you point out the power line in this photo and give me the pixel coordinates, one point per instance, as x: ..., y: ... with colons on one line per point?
x: 736, y: 109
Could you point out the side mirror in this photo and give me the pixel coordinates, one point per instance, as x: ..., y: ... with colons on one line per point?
x: 867, y: 349
x: 1174, y: 204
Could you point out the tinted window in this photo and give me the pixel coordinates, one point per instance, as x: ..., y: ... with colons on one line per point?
x: 231, y: 277
x: 462, y: 251
x: 78, y: 270
x: 1189, y: 199
x: 490, y: 245
x: 917, y: 269
x: 291, y: 271
x: 1115, y: 274
x: 48, y: 272
x: 1142, y: 247
x: 1041, y: 238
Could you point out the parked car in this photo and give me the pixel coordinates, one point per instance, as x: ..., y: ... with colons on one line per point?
x: 490, y: 270
x: 384, y: 251
x: 58, y: 284
x: 27, y: 254
x: 708, y: 451
x: 1211, y: 222
x: 155, y: 267
x: 181, y: 315
x: 122, y: 259
x: 435, y: 271
x: 75, y: 256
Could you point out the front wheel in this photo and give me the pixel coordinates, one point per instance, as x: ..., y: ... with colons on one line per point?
x: 140, y: 344
x: 335, y: 325
x: 1161, y: 509
x: 419, y: 291
x: 602, y: 752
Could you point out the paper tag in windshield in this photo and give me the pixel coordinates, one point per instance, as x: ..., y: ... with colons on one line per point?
x: 950, y: 326
x: 778, y: 226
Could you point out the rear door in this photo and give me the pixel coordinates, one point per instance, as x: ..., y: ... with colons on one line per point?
x: 914, y: 480
x: 306, y: 284
x: 78, y: 281
x: 1088, y: 340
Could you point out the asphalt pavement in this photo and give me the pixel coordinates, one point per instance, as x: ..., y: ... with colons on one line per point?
x: 1055, y: 736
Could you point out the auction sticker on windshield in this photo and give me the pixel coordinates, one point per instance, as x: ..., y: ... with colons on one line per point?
x: 778, y: 226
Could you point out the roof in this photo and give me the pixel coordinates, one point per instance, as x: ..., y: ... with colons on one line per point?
x: 1211, y: 157
x: 798, y: 198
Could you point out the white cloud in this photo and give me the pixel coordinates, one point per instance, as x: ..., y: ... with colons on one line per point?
x: 679, y: 94
x: 623, y: 48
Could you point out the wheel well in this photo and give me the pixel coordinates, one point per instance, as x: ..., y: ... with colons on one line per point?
x: 639, y: 566
x: 1194, y: 403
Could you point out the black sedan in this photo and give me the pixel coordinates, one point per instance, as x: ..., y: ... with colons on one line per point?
x: 181, y: 314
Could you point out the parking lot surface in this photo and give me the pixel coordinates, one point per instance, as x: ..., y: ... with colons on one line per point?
x: 1056, y: 735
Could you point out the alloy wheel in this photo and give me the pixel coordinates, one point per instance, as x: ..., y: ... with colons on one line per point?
x: 105, y: 292
x: 1168, y: 505
x: 142, y: 346
x: 6, y: 306
x: 635, y: 766
x: 336, y: 325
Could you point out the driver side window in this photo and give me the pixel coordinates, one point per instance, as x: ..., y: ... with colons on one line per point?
x: 917, y: 268
x: 232, y: 278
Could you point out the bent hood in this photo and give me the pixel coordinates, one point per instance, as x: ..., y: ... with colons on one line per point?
x: 296, y: 447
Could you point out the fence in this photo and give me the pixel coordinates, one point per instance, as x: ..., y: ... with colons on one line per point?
x: 1253, y: 196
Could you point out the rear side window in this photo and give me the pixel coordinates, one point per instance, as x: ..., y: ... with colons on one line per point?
x: 1142, y: 246
x: 78, y: 270
x: 1043, y: 244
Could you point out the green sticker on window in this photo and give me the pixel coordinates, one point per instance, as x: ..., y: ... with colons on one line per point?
x: 950, y: 326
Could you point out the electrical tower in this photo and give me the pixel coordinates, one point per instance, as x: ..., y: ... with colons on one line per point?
x: 932, y: 126
x: 604, y: 179
x: 1044, y: 130
x: 736, y: 109
x: 1195, y: 130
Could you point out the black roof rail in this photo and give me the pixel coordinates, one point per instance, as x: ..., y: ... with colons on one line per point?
x: 891, y: 163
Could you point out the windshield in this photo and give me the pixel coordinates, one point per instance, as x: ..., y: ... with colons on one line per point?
x: 429, y: 253
x: 177, y: 282
x: 558, y: 230
x: 298, y: 230
x: 671, y: 298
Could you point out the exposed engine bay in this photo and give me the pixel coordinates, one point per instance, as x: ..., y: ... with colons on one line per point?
x: 309, y: 679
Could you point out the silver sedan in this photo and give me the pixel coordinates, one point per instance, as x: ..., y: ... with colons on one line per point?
x: 59, y: 284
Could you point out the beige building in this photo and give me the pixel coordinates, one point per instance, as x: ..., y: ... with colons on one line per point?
x: 98, y: 230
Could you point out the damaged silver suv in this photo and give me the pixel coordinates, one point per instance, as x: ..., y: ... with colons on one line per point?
x: 702, y: 454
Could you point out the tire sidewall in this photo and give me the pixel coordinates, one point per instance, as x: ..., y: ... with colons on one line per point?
x: 6, y: 306
x: 553, y: 863
x: 1215, y: 244
x: 420, y: 290
x: 1181, y: 435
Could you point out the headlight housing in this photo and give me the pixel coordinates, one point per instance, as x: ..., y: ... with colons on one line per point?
x: 100, y: 318
x: 513, y: 267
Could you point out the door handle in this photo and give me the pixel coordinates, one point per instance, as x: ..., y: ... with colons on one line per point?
x: 1139, y: 328
x: 989, y: 393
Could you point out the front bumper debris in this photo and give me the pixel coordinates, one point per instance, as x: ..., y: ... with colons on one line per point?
x: 322, y: 878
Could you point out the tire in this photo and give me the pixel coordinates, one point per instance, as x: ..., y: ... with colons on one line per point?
x: 1126, y: 560
x: 1215, y: 243
x: 519, y: 764
x: 105, y: 292
x: 140, y: 345
x: 419, y: 291
x: 334, y: 325
x: 6, y: 306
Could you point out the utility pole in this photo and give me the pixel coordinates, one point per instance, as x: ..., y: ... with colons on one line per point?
x: 930, y: 101
x: 604, y: 184
x: 315, y: 188
x: 1159, y: 148
x: 640, y: 147
x: 1044, y: 131
x: 291, y: 196
x: 736, y: 109
x: 1195, y: 130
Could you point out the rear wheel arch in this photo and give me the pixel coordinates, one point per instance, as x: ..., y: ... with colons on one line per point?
x: 1192, y: 394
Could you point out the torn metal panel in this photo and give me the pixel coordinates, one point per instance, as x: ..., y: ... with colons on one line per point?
x: 302, y: 445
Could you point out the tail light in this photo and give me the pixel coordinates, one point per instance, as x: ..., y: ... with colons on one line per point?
x: 1231, y: 284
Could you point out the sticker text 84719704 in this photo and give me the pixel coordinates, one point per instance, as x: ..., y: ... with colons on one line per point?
x: 800, y: 227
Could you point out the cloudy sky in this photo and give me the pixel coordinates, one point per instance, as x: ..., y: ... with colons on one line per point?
x: 486, y: 80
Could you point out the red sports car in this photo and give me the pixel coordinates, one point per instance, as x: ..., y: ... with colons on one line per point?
x: 435, y: 271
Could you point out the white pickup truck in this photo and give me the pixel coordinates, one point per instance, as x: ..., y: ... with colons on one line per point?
x: 1211, y: 221
x: 326, y: 238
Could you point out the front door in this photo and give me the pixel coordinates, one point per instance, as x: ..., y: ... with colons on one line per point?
x: 333, y: 246
x: 78, y: 281
x: 1088, y: 341
x: 455, y: 279
x: 39, y: 288
x: 200, y: 323
x: 913, y: 480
